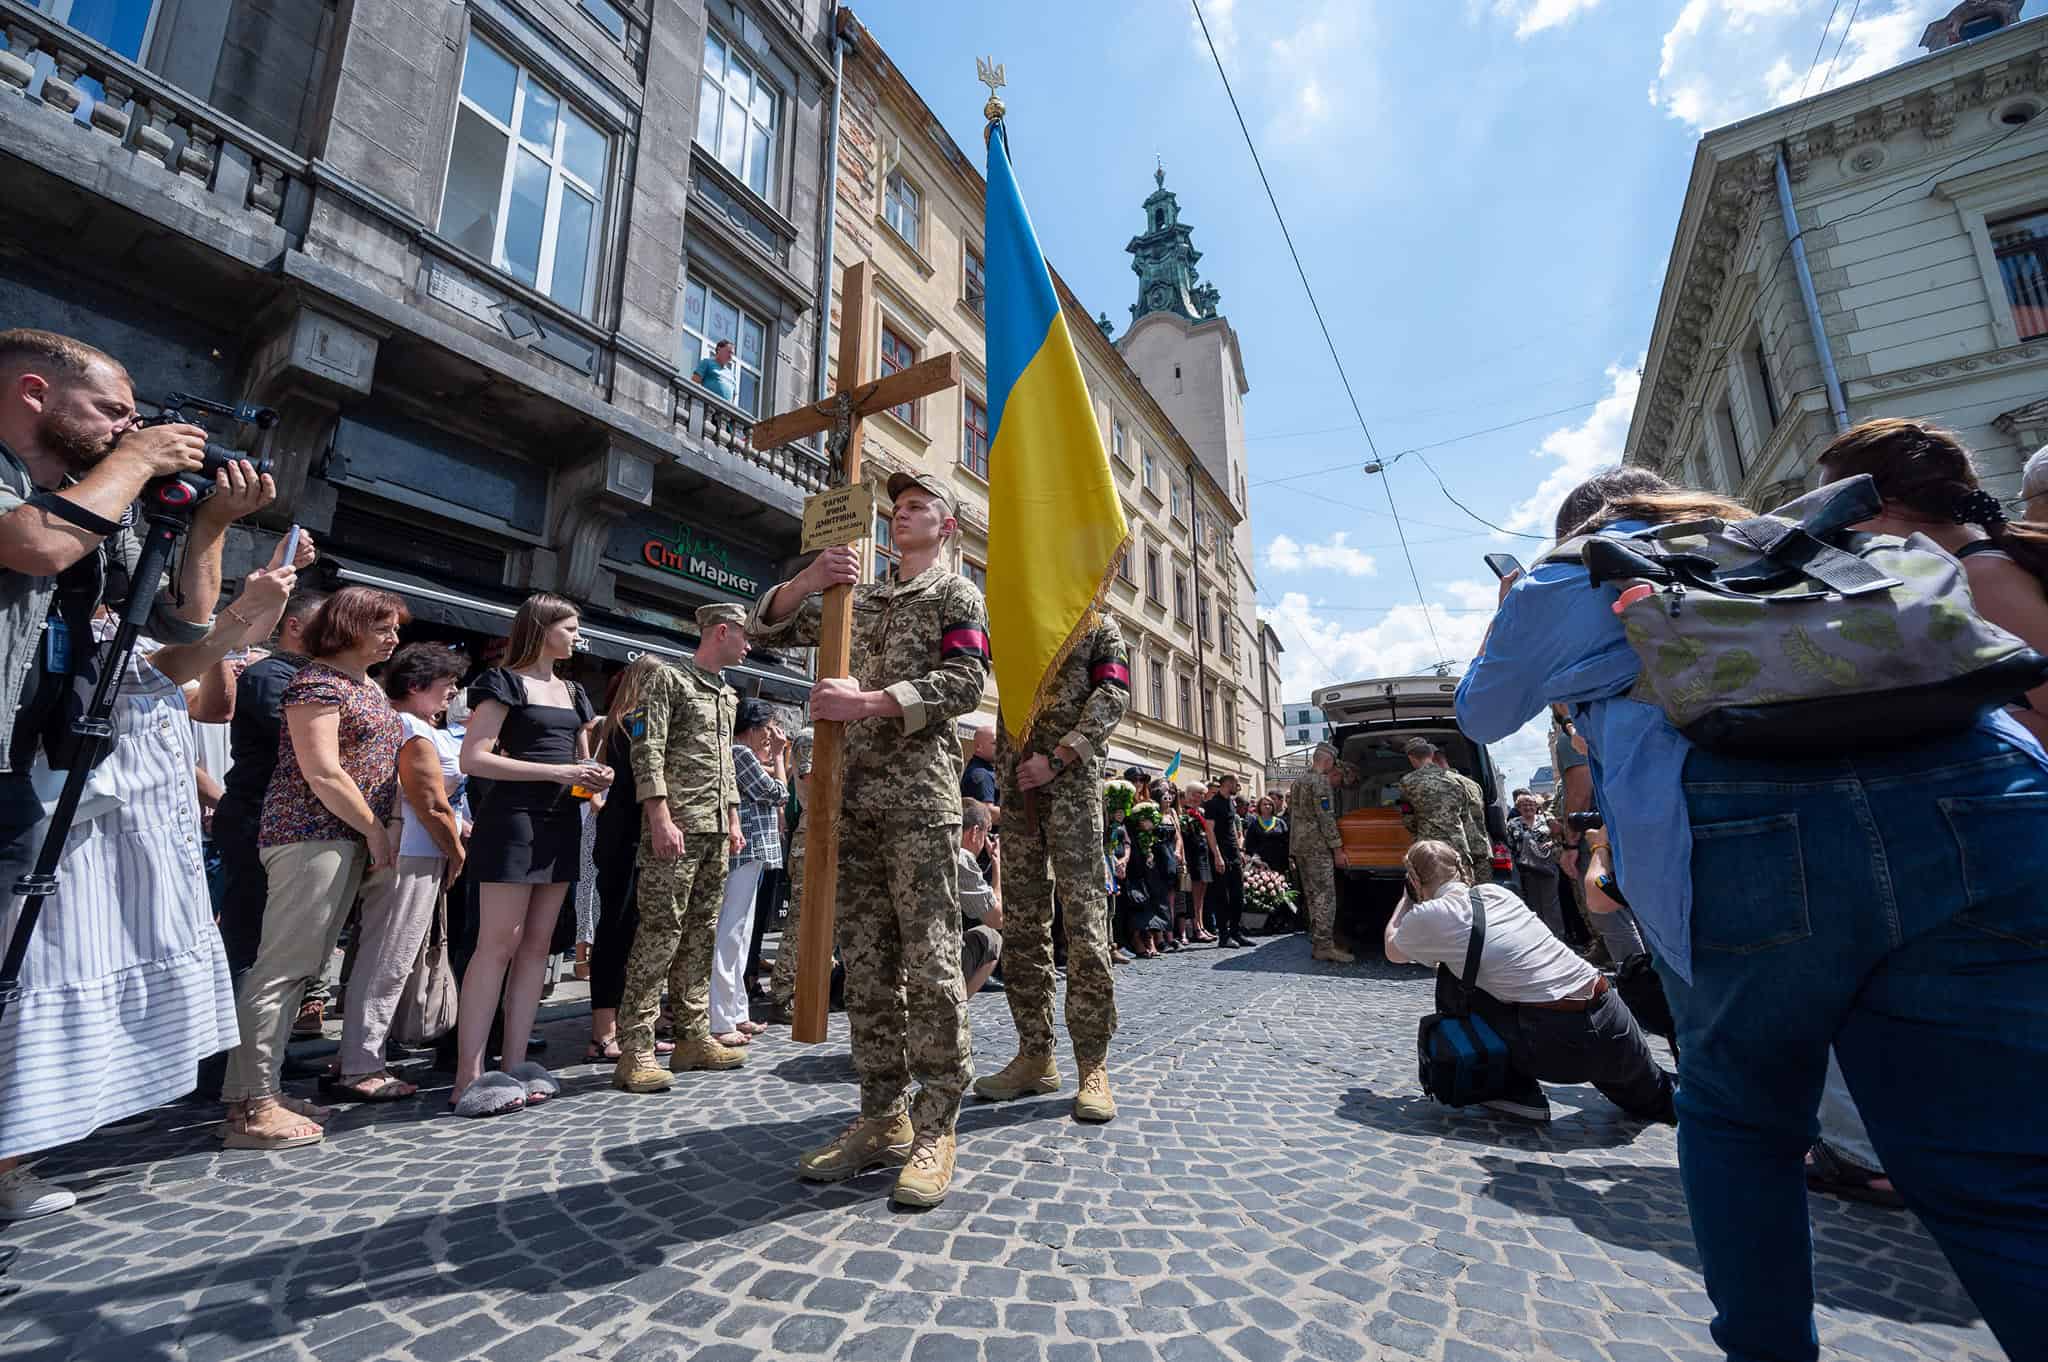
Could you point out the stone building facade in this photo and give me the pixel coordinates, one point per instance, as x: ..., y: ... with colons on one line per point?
x: 911, y: 204
x: 1922, y: 196
x: 471, y: 252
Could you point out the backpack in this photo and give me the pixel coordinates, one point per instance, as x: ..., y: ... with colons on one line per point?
x: 1791, y: 634
x: 1463, y: 1059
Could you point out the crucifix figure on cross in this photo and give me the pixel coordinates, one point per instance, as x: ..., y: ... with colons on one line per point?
x: 839, y: 516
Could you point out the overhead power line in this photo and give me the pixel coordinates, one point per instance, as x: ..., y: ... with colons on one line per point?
x: 1317, y: 308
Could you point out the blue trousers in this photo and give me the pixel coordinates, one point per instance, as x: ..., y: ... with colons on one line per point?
x: 1894, y: 906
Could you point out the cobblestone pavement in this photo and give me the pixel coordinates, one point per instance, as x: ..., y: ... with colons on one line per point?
x: 1274, y: 1188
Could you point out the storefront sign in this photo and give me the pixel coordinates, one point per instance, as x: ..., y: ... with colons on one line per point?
x: 838, y: 516
x: 699, y: 557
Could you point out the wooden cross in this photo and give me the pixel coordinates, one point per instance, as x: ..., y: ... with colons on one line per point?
x: 840, y: 414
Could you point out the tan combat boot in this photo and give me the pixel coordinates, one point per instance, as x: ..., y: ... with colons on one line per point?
x: 925, y: 1180
x: 1023, y: 1076
x: 705, y: 1054
x: 639, y: 1073
x: 1093, y: 1103
x: 1336, y: 955
x: 864, y: 1144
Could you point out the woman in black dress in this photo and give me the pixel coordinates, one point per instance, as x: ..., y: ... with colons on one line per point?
x: 528, y: 735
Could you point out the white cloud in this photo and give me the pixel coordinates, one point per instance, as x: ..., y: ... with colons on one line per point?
x: 1284, y: 554
x: 1222, y: 17
x: 1577, y: 451
x: 1724, y: 60
x: 1320, y: 651
x: 1316, y: 69
x: 1534, y: 16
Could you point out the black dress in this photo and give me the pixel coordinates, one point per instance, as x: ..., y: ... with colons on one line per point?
x: 529, y: 831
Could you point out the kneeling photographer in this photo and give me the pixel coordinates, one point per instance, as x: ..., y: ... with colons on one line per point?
x: 73, y: 460
x: 1561, y: 1020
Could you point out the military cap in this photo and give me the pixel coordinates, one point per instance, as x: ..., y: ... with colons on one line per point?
x: 723, y: 612
x: 900, y: 483
x: 1420, y: 747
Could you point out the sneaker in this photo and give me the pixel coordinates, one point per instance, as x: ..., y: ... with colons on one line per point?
x: 1026, y: 1075
x: 928, y: 1175
x: 1527, y: 1109
x: 24, y: 1196
x: 864, y: 1144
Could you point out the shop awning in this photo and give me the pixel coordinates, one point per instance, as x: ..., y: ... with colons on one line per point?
x: 486, y: 610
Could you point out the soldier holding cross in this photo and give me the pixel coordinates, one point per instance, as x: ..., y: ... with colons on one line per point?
x: 919, y: 660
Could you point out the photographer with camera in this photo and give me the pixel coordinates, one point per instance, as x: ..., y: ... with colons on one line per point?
x: 73, y: 461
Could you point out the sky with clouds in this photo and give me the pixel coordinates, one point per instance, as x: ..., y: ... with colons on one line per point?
x: 1483, y: 193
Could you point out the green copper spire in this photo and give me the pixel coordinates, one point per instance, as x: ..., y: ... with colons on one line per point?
x: 1163, y: 257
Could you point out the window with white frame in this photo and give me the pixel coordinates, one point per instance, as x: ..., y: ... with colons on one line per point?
x: 1158, y: 689
x: 1123, y: 566
x: 1116, y: 443
x: 738, y: 111
x: 1187, y: 703
x: 1153, y: 588
x: 1180, y: 596
x: 1177, y: 497
x: 529, y: 201
x: 902, y: 207
x: 1150, y: 472
x: 2020, y: 246
x: 974, y: 282
x: 708, y: 318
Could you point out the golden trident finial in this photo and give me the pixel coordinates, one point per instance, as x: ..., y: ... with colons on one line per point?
x: 990, y: 73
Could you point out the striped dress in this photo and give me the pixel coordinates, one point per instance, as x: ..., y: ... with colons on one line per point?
x: 125, y: 987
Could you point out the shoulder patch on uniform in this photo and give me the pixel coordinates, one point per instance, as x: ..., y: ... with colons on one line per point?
x: 636, y: 724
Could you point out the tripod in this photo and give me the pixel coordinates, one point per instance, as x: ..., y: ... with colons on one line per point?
x: 170, y: 502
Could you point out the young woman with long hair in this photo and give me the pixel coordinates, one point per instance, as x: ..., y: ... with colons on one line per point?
x: 1884, y: 903
x: 528, y: 737
x: 616, y: 856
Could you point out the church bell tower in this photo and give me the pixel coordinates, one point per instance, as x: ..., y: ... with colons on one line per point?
x: 1163, y: 257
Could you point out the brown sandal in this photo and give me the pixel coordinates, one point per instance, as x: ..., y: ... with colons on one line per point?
x: 381, y: 1086
x: 238, y: 1134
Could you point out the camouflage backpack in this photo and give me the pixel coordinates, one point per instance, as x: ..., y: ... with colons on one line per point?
x: 1792, y: 634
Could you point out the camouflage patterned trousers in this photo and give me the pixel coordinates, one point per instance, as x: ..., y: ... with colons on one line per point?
x: 898, y: 927
x: 679, y: 903
x: 782, y: 983
x: 1067, y: 851
x: 1318, y: 895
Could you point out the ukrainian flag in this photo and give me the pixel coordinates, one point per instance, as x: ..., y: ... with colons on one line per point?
x: 1056, y: 527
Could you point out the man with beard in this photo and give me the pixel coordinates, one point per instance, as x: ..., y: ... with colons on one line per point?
x: 72, y: 462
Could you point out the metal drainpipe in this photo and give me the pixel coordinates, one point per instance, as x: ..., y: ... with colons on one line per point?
x: 1796, y: 234
x: 1195, y: 581
x: 824, y: 382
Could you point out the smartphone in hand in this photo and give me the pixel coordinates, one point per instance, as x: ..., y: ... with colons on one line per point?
x: 1504, y: 565
x: 291, y: 546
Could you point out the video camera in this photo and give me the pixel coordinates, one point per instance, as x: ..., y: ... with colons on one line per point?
x: 1585, y: 821
x: 179, y: 493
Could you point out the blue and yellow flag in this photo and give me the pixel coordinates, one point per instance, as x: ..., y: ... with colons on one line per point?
x: 1172, y: 767
x: 1055, y: 526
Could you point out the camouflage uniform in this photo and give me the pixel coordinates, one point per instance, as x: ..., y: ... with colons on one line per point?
x: 1475, y: 807
x: 682, y: 752
x: 1087, y: 697
x: 1438, y: 811
x: 1313, y: 840
x: 925, y: 642
x: 782, y: 983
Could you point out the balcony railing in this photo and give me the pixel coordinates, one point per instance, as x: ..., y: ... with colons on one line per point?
x: 139, y: 110
x: 709, y: 422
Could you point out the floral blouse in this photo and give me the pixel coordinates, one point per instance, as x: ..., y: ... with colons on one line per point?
x: 371, y: 732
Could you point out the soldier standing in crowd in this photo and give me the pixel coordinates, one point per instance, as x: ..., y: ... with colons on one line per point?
x: 781, y: 1009
x: 1057, y: 840
x: 1318, y: 849
x: 1475, y: 805
x: 683, y: 778
x: 920, y: 659
x: 1436, y: 808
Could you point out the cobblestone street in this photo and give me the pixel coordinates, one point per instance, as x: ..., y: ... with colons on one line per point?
x: 1274, y: 1188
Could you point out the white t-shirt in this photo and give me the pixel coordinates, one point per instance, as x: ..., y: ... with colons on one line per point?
x: 1522, y: 960
x: 414, y: 839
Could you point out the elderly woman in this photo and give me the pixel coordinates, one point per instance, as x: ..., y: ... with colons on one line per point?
x: 323, y: 828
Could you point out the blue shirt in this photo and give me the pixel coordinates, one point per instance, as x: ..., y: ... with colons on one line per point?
x: 1557, y: 640
x: 718, y: 379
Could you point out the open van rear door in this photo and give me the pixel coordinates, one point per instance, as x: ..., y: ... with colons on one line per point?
x: 1390, y: 697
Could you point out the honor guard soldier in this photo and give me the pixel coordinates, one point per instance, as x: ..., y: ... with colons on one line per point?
x: 1052, y: 836
x: 1436, y: 806
x: 1318, y: 848
x: 920, y: 660
x: 683, y: 778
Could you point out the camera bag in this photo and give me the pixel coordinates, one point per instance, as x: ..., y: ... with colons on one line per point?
x: 1463, y: 1059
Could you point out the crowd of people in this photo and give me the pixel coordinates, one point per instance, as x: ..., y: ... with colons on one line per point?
x: 1850, y: 944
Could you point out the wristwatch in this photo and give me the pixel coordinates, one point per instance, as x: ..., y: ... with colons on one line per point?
x: 1057, y: 762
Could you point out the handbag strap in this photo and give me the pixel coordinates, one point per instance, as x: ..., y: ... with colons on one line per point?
x: 1793, y: 546
x: 1470, y: 978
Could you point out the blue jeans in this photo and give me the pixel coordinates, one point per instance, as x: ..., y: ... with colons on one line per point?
x: 1894, y: 906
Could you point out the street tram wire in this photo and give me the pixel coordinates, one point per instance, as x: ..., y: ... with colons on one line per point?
x: 1317, y: 308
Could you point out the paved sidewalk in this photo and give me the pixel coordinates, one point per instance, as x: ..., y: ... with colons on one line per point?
x: 1275, y: 1188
